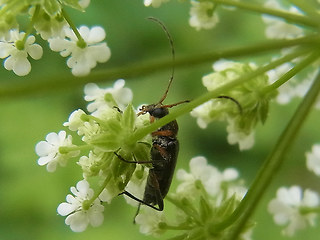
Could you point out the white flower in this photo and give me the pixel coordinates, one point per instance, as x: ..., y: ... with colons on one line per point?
x: 89, y: 130
x: 107, y: 196
x: 137, y: 184
x: 154, y: 3
x: 74, y: 121
x: 79, y: 217
x: 85, y: 57
x: 16, y: 53
x: 84, y: 3
x: 313, y: 159
x: 242, y: 106
x: 278, y: 28
x: 149, y: 220
x: 201, y: 15
x: 238, y: 136
x: 209, y: 176
x: 287, y: 208
x: 49, y: 153
x: 208, y: 112
x: 118, y: 96
x: 89, y: 164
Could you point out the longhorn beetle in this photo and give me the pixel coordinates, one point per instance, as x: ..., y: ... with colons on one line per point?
x: 164, y: 150
x: 165, y: 145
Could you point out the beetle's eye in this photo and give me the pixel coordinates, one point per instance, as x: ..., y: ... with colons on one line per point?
x: 143, y: 107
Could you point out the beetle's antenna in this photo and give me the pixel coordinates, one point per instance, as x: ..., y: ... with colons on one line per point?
x: 172, y: 53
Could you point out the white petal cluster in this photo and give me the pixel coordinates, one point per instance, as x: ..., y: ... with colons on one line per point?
x: 84, y: 3
x: 149, y: 221
x: 297, y: 86
x: 278, y: 28
x: 313, y: 159
x: 291, y: 208
x: 154, y: 3
x: 82, y: 58
x: 100, y: 98
x: 78, y: 217
x: 16, y: 57
x: 136, y: 185
x: 49, y: 153
x: 209, y: 176
x: 243, y: 110
x: 202, y: 15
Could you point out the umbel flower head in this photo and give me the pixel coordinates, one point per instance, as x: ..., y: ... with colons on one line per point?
x: 104, y: 131
x: 242, y: 107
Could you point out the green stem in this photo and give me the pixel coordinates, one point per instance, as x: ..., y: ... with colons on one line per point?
x: 273, y: 162
x: 71, y: 24
x: 292, y: 72
x: 307, y: 8
x: 33, y: 85
x: 290, y: 17
x: 64, y: 150
x: 140, y: 133
x: 308, y: 210
x: 30, y: 27
x: 99, y: 191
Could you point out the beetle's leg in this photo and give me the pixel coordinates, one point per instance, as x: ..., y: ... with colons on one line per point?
x: 127, y: 161
x: 140, y: 201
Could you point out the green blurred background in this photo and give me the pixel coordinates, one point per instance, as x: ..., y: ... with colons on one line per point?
x: 29, y: 194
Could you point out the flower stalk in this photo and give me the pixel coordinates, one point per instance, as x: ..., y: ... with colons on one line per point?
x: 291, y: 17
x: 37, y: 85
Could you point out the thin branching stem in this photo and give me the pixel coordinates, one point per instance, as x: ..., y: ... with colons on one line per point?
x: 274, y: 161
x: 258, y: 8
x: 54, y: 83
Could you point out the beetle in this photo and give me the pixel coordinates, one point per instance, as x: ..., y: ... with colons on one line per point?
x: 164, y: 150
x: 165, y: 146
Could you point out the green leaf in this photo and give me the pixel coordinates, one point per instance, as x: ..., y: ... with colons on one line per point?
x: 205, y: 209
x: 72, y: 3
x: 263, y: 110
x: 51, y: 7
x: 227, y: 207
x: 106, y: 142
x: 128, y: 118
x: 113, y: 126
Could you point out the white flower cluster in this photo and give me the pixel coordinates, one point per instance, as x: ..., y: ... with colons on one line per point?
x: 85, y: 47
x: 242, y: 107
x: 82, y: 58
x: 294, y: 207
x: 202, y: 193
x: 79, y: 210
x: 202, y: 13
x: 103, y: 132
